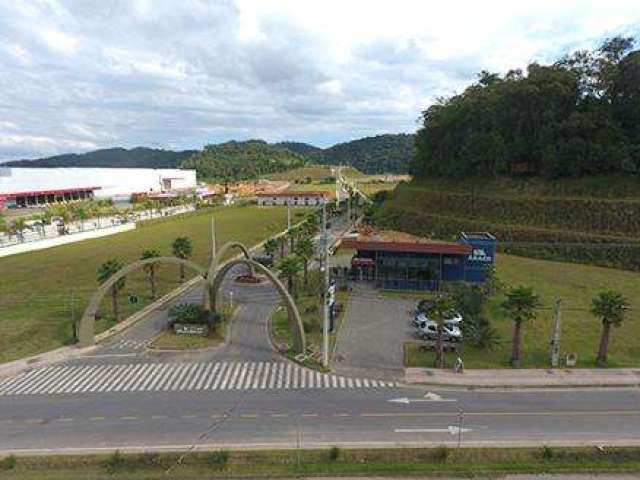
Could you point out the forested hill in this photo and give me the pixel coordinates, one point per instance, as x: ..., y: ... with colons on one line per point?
x: 139, y: 157
x: 579, y: 116
x: 389, y: 153
x: 242, y: 160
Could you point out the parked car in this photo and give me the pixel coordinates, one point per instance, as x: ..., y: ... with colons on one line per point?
x: 265, y: 260
x: 428, y: 330
x: 454, y: 318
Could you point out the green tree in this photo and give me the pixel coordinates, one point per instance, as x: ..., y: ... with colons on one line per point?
x: 439, y: 310
x: 151, y: 268
x: 182, y: 247
x: 610, y: 307
x: 105, y: 272
x: 305, y: 249
x: 80, y: 214
x: 17, y: 228
x: 520, y: 306
x: 271, y: 247
x: 289, y: 267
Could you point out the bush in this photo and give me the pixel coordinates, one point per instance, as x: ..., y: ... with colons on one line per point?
x: 8, y: 463
x: 547, y: 453
x: 114, y: 462
x: 219, y: 459
x: 334, y: 454
x: 191, y: 313
x: 441, y: 453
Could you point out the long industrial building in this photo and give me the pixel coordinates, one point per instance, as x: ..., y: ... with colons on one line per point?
x: 31, y: 187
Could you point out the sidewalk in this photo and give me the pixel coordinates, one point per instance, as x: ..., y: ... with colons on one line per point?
x: 525, y: 378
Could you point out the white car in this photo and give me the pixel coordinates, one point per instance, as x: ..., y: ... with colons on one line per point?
x: 454, y: 319
x: 428, y: 330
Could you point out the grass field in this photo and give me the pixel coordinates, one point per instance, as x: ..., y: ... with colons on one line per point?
x: 438, y: 462
x: 576, y: 285
x: 37, y: 288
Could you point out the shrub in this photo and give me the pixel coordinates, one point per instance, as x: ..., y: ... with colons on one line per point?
x: 189, y: 313
x: 334, y: 454
x: 8, y: 463
x: 219, y: 459
x: 441, y: 453
x: 547, y: 453
x: 114, y: 462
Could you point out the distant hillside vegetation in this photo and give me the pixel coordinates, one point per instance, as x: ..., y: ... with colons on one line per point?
x: 309, y: 151
x: 139, y: 157
x: 388, y: 153
x: 241, y: 160
x: 579, y: 116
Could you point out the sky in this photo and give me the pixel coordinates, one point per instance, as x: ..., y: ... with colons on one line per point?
x: 78, y: 75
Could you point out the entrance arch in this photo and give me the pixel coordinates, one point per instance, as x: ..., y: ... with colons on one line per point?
x: 295, y: 322
x: 223, y: 250
x: 86, y: 331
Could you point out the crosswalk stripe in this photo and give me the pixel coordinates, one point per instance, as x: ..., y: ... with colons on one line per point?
x: 173, y: 377
x: 211, y: 378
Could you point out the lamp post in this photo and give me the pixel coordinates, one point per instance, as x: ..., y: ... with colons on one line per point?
x: 324, y: 269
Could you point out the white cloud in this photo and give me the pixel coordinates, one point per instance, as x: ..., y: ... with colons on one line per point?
x: 78, y: 75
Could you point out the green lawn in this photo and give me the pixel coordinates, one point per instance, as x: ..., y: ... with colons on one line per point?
x: 576, y: 285
x: 439, y: 462
x: 36, y: 288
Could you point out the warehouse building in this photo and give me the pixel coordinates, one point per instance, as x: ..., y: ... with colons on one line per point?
x: 397, y: 260
x: 33, y: 187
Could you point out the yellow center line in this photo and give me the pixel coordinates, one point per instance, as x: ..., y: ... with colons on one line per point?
x: 158, y: 417
x: 98, y: 418
x: 129, y: 417
x: 504, y: 414
x: 310, y: 415
x: 279, y: 415
x: 249, y: 415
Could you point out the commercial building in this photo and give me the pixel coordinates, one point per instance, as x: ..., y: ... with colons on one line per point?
x: 32, y: 187
x: 310, y: 199
x: 396, y: 260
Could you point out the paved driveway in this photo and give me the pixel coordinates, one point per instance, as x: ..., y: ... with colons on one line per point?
x: 370, y: 343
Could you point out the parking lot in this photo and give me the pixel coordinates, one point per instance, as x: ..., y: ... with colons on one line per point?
x: 371, y: 340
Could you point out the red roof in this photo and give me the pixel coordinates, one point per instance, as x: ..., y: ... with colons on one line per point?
x: 446, y: 248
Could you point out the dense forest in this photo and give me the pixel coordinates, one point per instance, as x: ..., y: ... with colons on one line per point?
x: 139, y: 157
x: 578, y: 116
x: 241, y: 160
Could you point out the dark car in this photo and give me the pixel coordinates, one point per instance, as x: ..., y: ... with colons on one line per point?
x: 265, y: 260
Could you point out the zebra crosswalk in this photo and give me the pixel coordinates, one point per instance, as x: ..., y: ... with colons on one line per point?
x: 177, y: 377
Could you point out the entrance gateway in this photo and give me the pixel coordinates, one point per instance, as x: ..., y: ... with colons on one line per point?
x: 398, y: 260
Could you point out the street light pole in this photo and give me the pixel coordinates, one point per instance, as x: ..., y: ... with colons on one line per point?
x: 288, y: 214
x: 325, y: 287
x: 555, y: 340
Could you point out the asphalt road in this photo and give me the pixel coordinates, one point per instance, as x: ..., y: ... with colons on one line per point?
x: 242, y: 395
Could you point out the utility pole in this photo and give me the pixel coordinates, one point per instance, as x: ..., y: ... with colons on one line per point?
x: 73, y: 316
x: 555, y: 339
x: 213, y: 238
x: 324, y: 259
x: 288, y: 214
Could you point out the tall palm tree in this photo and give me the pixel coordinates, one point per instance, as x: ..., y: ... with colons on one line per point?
x: 43, y: 219
x: 105, y: 272
x: 289, y: 267
x: 182, y: 247
x: 439, y: 311
x: 270, y: 247
x: 520, y: 306
x: 282, y: 241
x: 305, y: 248
x: 291, y: 235
x: 610, y: 307
x: 151, y: 268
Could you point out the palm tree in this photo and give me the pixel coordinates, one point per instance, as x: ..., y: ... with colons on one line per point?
x: 270, y: 247
x: 80, y: 214
x: 289, y: 267
x: 291, y: 235
x: 305, y: 249
x: 151, y: 268
x: 17, y: 228
x: 43, y: 219
x: 520, y: 305
x: 439, y: 311
x: 610, y: 307
x: 106, y: 271
x: 3, y: 224
x: 182, y: 248
x: 282, y: 241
